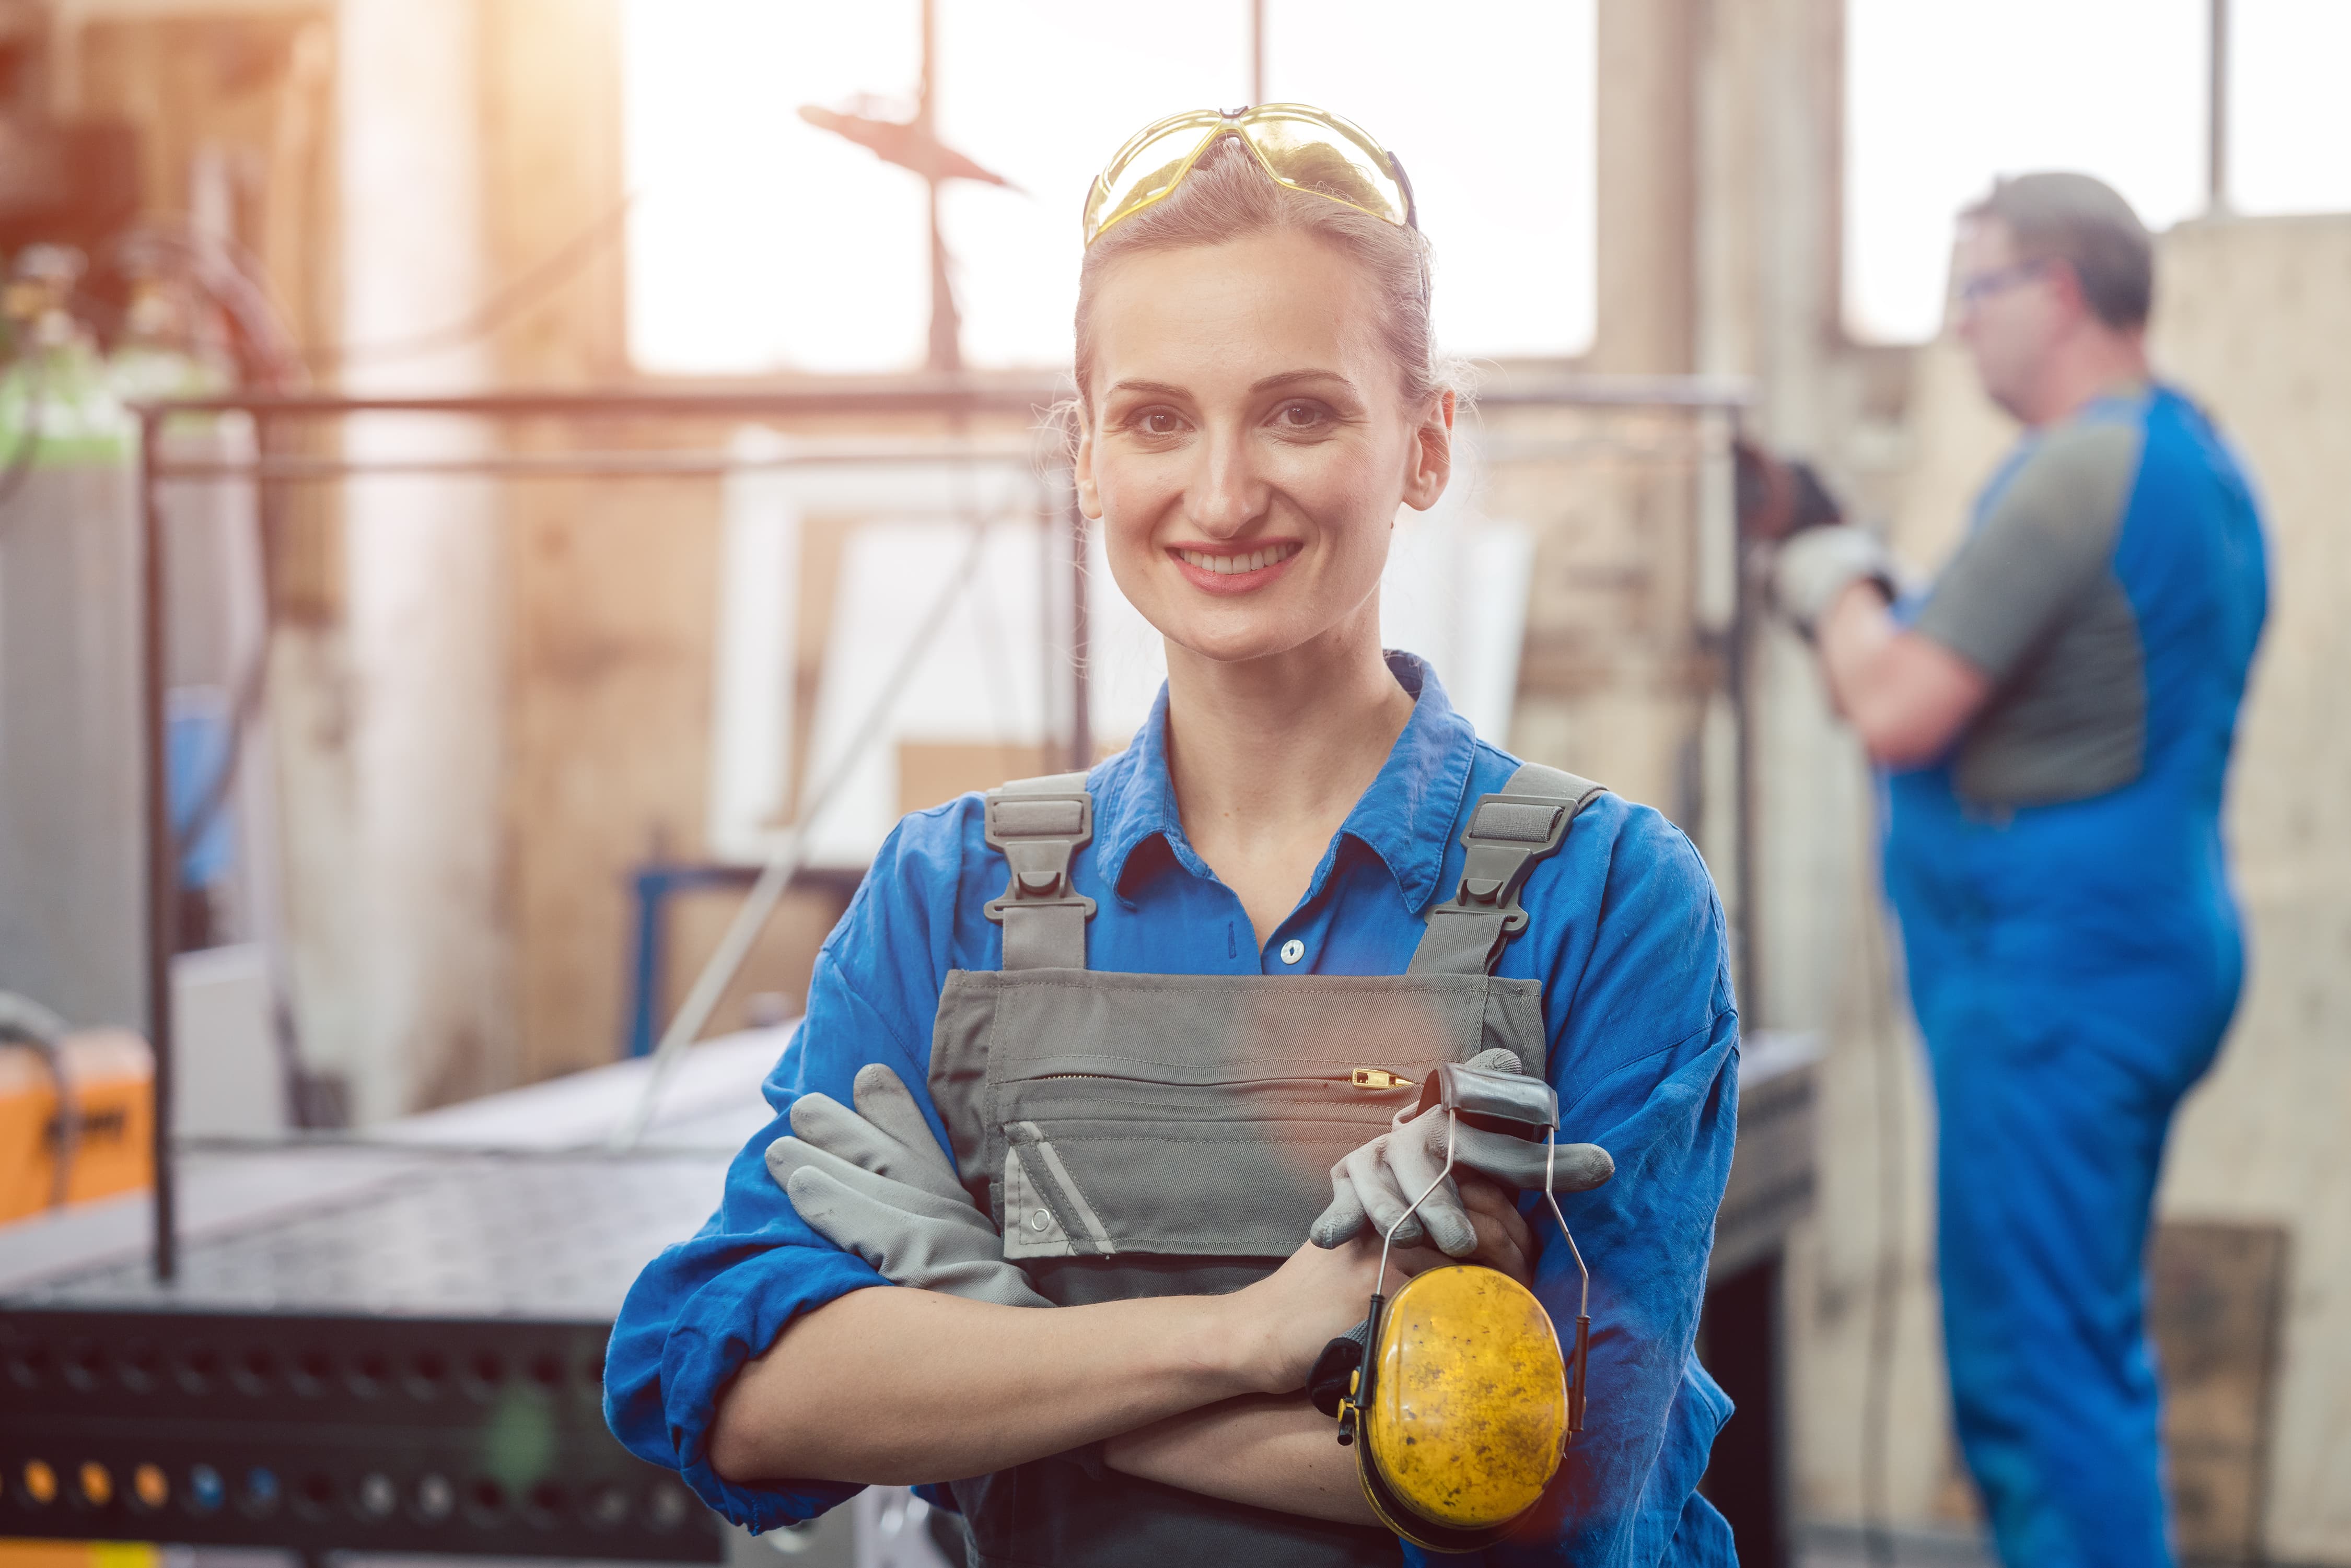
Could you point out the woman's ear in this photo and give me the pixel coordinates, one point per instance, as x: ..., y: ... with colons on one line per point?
x: 1431, y: 459
x: 1081, y: 469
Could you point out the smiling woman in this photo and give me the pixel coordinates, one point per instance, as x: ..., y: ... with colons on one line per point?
x: 1087, y: 1130
x: 1259, y: 396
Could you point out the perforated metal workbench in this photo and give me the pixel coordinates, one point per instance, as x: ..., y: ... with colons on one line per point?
x: 394, y: 1345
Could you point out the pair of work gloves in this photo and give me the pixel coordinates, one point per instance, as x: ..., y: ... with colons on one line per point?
x: 872, y: 1180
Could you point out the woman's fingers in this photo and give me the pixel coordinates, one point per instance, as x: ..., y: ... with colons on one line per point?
x: 1416, y: 1164
x: 1376, y: 1188
x: 1505, y: 1241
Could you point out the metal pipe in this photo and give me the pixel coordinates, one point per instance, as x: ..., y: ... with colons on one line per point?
x: 1081, y: 713
x: 589, y: 464
x: 1744, y: 627
x: 1624, y: 392
x: 162, y: 862
x: 713, y: 463
x: 902, y: 395
x: 951, y: 394
x: 2216, y: 145
x: 1257, y: 52
x: 896, y: 394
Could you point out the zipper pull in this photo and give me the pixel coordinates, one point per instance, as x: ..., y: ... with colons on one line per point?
x: 1379, y: 1078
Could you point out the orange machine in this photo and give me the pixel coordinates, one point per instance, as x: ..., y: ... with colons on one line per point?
x: 113, y: 1077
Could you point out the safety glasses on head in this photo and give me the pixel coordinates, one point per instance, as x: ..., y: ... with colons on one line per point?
x: 1304, y: 148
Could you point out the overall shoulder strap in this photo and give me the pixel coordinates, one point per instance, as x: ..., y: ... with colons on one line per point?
x: 1508, y: 833
x: 1040, y: 823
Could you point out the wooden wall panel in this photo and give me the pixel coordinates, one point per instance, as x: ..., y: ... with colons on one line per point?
x: 2253, y: 317
x: 1609, y: 675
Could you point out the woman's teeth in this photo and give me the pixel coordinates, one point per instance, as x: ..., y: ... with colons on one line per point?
x: 1227, y: 565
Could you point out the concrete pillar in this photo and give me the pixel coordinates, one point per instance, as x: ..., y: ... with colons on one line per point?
x: 1647, y: 210
x: 423, y: 980
x: 1769, y: 250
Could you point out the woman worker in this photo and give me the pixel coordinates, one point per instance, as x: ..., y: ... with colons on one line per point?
x: 1113, y: 1040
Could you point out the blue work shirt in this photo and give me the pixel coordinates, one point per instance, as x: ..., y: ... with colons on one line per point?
x: 2113, y: 586
x: 1626, y: 935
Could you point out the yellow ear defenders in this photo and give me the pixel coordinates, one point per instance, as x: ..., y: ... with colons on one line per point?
x: 1453, y: 1393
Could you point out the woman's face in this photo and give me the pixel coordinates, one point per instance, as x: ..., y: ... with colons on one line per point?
x: 1246, y: 442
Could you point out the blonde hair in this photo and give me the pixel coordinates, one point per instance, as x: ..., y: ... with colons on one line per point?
x: 1228, y: 195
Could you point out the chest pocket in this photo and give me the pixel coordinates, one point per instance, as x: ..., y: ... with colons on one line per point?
x: 1191, y: 1116
x: 1103, y: 1116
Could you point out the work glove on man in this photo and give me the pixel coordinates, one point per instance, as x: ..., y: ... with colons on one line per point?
x: 873, y: 1181
x: 1812, y: 568
x: 1376, y: 1182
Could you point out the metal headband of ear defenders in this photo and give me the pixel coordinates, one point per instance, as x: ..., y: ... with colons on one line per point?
x: 1465, y: 1355
x: 1302, y: 146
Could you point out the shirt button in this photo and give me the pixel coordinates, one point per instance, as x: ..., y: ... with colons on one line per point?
x: 1039, y: 1219
x: 1292, y: 950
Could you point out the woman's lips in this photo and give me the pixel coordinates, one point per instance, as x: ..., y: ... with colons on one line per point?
x: 1235, y: 572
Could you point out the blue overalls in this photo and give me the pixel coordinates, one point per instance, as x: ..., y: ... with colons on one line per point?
x: 2073, y: 966
x: 1639, y: 1033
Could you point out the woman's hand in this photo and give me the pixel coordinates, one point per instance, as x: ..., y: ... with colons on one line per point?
x: 1409, y: 1176
x: 1279, y: 1325
x: 1504, y: 1240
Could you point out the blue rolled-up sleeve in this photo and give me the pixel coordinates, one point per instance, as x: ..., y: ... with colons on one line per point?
x: 707, y: 1305
x: 1643, y: 1051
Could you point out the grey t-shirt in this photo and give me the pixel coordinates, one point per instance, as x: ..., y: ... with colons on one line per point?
x: 2032, y: 600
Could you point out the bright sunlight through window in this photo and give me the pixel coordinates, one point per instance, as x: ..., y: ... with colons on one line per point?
x: 1943, y: 97
x: 758, y: 243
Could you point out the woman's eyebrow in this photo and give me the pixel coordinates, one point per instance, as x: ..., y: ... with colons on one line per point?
x: 1153, y: 388
x: 1268, y: 384
x: 1292, y: 378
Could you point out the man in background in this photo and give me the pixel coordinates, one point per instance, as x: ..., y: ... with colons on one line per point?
x: 2055, y: 715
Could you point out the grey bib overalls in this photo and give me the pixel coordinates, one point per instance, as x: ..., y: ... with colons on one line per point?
x: 1173, y: 1134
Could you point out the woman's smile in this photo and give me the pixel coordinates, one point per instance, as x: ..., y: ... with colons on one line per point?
x: 1227, y: 569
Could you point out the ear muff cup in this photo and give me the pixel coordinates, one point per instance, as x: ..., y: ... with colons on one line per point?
x: 1462, y: 1408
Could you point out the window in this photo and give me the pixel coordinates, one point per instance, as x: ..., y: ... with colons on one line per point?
x: 759, y: 242
x: 2289, y: 117
x: 1942, y: 98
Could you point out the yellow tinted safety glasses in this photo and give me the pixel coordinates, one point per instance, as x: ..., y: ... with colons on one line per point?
x: 1304, y: 148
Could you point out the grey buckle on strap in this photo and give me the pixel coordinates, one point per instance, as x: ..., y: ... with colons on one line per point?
x: 1040, y: 824
x: 1508, y: 834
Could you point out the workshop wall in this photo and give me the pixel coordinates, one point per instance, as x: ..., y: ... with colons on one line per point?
x: 2253, y: 317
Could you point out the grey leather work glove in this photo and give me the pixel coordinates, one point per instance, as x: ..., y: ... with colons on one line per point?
x: 873, y: 1181
x: 1377, y: 1182
x: 1815, y: 566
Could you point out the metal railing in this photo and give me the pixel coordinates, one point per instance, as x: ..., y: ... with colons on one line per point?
x: 1721, y: 402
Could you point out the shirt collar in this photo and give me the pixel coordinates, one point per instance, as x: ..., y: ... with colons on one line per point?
x: 1405, y: 817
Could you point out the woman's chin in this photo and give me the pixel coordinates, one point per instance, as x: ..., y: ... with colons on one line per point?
x: 1234, y: 640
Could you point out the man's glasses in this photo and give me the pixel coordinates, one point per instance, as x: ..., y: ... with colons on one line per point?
x: 1983, y: 286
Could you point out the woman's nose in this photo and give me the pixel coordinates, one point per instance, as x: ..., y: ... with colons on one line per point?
x: 1229, y: 495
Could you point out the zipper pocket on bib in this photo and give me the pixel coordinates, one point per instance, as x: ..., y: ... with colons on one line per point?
x: 1372, y: 1079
